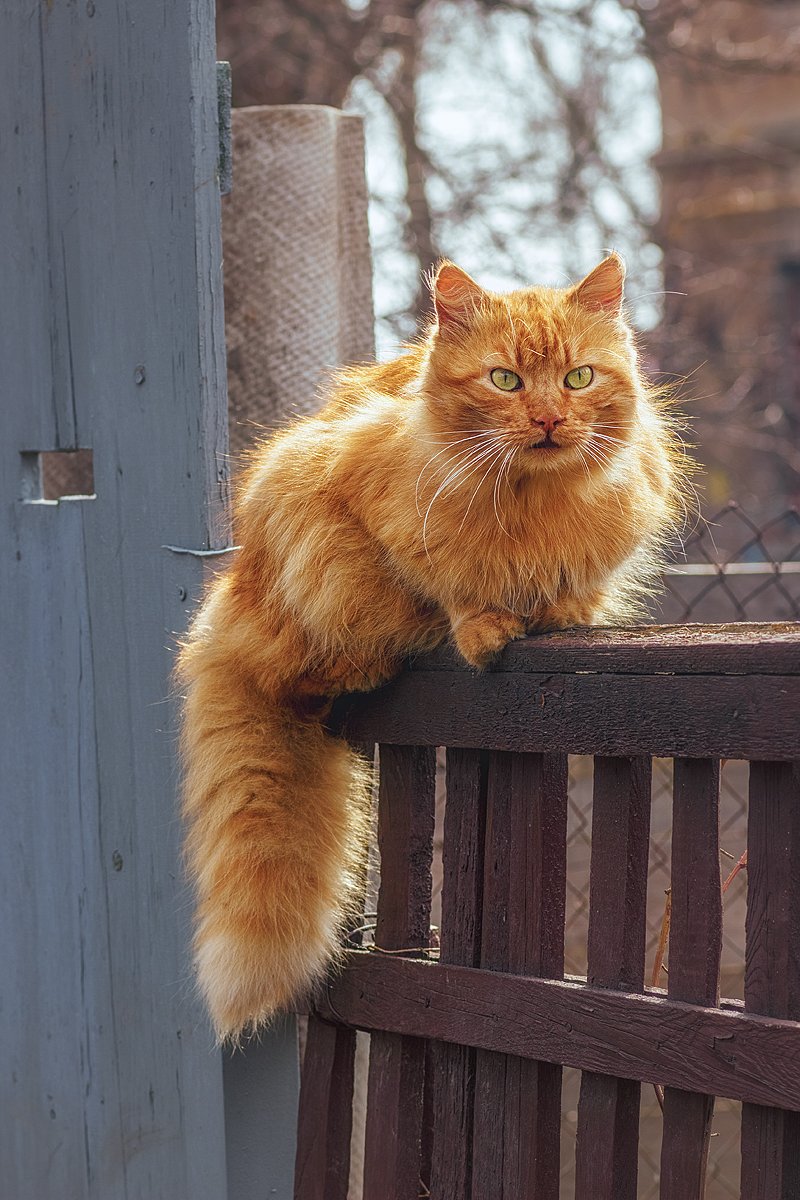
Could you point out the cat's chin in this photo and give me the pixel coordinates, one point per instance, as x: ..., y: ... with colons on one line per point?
x: 548, y: 458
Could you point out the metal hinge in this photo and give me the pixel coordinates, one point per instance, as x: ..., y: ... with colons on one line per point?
x: 225, y: 164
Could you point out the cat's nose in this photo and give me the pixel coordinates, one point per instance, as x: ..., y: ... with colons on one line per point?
x: 548, y: 424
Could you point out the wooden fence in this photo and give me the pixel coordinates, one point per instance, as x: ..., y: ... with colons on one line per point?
x: 468, y: 1040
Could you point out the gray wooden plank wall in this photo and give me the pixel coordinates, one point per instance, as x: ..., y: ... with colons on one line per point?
x: 111, y: 338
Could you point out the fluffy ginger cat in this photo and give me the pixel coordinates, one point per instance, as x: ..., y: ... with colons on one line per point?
x: 512, y: 472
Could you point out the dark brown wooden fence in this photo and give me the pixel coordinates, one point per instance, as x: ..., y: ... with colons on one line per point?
x: 467, y: 1042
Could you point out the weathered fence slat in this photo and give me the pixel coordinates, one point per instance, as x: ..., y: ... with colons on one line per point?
x: 109, y: 212
x: 695, y: 946
x: 322, y: 1167
x: 397, y: 1064
x: 608, y: 1109
x: 325, y: 1110
x: 771, y: 1137
x: 517, y: 1101
x: 459, y: 941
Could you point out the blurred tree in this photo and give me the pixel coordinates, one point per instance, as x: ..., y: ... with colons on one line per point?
x: 533, y: 123
x: 516, y: 136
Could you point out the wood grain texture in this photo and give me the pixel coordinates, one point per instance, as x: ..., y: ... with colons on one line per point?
x: 618, y: 879
x: 111, y: 261
x: 392, y: 1157
x: 325, y: 1120
x: 327, y: 1088
x: 695, y: 947
x: 771, y: 1139
x: 607, y: 1147
x: 405, y: 843
x: 646, y: 1037
x: 722, y: 716
x: 734, y: 649
x: 518, y: 1102
x: 453, y: 1098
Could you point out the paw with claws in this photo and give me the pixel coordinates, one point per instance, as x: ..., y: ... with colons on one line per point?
x: 479, y: 637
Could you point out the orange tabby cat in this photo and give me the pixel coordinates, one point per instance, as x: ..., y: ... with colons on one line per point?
x: 512, y: 472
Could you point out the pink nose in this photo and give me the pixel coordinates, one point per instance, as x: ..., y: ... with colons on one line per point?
x: 548, y: 424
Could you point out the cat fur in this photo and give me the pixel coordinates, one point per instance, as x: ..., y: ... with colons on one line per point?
x: 411, y: 509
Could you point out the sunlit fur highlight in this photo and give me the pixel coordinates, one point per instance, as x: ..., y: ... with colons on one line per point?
x: 411, y: 509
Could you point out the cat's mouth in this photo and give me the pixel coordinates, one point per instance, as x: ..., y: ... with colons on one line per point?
x: 546, y: 443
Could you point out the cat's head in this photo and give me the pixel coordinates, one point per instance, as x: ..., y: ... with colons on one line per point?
x: 548, y: 373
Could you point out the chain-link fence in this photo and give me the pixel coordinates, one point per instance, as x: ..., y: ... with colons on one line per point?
x: 735, y: 569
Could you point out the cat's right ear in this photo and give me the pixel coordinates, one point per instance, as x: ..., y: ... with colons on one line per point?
x: 601, y: 290
x: 456, y: 296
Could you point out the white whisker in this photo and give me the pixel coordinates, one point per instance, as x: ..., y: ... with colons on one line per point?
x: 494, y: 460
x: 459, y: 455
x: 475, y: 458
x: 495, y: 495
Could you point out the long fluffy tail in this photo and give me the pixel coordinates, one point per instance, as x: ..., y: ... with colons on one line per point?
x: 275, y: 809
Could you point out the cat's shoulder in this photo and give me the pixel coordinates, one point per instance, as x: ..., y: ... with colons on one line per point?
x: 357, y: 388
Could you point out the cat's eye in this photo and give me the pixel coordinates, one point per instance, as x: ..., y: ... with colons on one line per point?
x: 579, y: 377
x: 507, y: 381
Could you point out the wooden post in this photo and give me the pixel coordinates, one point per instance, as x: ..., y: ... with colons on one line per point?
x: 111, y: 340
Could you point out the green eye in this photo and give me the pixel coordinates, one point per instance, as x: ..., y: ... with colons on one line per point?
x: 579, y: 377
x: 507, y: 381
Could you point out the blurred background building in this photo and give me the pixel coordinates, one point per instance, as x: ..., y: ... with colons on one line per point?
x: 729, y: 229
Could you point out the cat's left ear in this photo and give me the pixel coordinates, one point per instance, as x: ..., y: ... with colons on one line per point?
x: 601, y: 290
x: 455, y: 295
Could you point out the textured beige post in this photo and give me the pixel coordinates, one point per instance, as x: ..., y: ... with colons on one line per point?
x: 298, y: 275
x: 298, y: 299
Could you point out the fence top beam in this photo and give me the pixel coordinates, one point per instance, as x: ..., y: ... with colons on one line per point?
x: 696, y: 691
x: 742, y: 648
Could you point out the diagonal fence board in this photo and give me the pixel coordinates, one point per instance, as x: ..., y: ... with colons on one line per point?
x: 646, y: 1037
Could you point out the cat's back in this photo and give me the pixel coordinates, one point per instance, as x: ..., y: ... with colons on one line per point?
x: 323, y: 470
x: 352, y: 387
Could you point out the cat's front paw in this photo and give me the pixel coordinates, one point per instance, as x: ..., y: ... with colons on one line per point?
x: 566, y: 614
x: 481, y: 637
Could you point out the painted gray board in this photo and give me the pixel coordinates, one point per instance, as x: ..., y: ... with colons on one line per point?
x: 110, y: 269
x: 261, y: 1093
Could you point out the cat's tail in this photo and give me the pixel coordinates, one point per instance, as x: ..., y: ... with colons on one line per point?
x: 276, y: 826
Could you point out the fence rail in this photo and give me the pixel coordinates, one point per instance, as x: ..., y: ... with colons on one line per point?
x: 468, y: 1038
